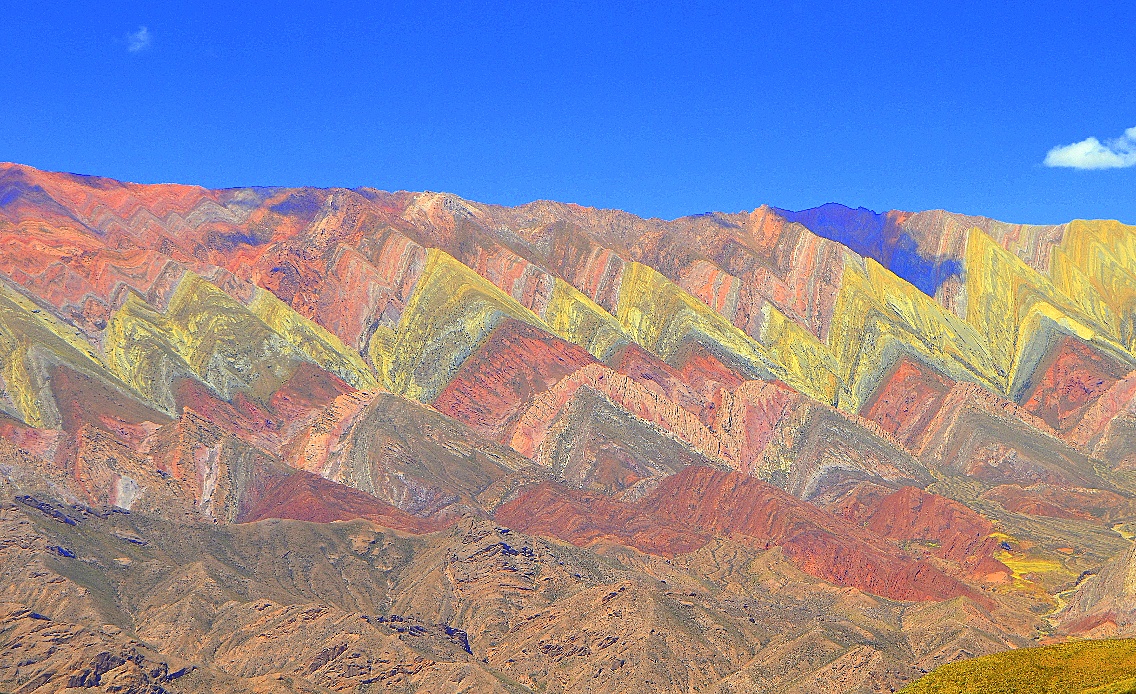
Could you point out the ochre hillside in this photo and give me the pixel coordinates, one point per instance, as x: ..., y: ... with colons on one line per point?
x: 1081, y: 667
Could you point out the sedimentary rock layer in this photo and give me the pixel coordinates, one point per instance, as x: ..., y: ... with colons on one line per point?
x: 567, y: 448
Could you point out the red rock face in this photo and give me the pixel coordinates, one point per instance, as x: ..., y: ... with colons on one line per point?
x: 308, y: 390
x: 698, y: 503
x: 705, y: 373
x: 1070, y: 381
x: 269, y: 424
x: 751, y: 416
x: 953, y: 531
x: 1112, y: 408
x: 588, y: 265
x: 654, y: 373
x: 85, y: 400
x: 1096, y: 505
x: 307, y: 497
x: 739, y: 505
x: 515, y: 363
x: 319, y: 273
x: 907, y: 399
x: 586, y: 517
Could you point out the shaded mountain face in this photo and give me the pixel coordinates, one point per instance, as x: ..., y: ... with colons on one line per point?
x: 315, y: 440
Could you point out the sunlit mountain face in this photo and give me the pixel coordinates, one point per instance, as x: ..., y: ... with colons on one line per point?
x: 311, y: 440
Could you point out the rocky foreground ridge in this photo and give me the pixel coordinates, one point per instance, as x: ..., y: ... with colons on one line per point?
x: 272, y: 439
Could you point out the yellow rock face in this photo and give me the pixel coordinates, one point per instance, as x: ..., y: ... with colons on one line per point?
x: 1096, y: 266
x: 452, y: 311
x: 578, y: 319
x: 30, y: 340
x: 318, y: 344
x: 145, y: 348
x: 1016, y: 309
x: 801, y: 360
x: 207, y: 334
x: 1012, y: 313
x: 661, y: 317
x: 879, y: 317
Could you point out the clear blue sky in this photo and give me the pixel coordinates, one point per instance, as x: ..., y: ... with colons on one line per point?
x: 660, y: 109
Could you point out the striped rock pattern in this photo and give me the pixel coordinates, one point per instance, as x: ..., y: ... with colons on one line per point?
x: 932, y: 411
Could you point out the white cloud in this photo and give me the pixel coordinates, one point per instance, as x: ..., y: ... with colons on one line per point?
x: 138, y: 40
x: 1093, y: 154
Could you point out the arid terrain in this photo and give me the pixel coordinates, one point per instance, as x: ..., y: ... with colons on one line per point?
x: 313, y: 440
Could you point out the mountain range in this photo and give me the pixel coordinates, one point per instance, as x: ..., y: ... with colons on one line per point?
x: 311, y: 440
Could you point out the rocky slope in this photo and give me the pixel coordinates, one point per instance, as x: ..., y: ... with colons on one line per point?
x: 762, y: 451
x: 1085, y: 667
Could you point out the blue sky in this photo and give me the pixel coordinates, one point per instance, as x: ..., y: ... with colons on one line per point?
x: 660, y: 109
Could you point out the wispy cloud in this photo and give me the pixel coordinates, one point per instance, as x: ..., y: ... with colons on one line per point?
x: 138, y: 40
x: 1094, y: 154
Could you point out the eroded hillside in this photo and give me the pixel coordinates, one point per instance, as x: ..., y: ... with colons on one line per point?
x: 372, y: 441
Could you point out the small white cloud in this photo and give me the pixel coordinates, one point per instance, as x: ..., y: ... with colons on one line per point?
x: 1093, y: 154
x: 138, y: 40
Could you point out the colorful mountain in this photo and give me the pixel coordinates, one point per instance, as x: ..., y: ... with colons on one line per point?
x: 300, y: 439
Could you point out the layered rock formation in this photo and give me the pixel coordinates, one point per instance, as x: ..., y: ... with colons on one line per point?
x: 923, y: 423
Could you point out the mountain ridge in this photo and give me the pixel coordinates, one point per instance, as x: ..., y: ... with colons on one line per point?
x: 949, y: 417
